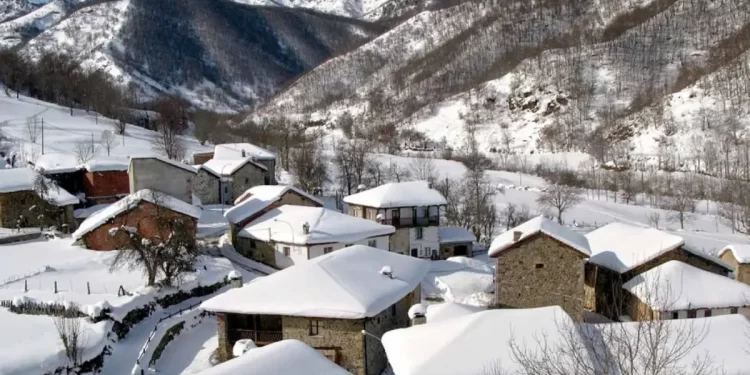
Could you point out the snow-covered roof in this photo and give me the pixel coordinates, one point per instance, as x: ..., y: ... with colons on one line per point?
x: 227, y: 167
x: 165, y: 160
x: 398, y: 194
x: 472, y: 344
x: 449, y: 310
x: 675, y: 285
x: 344, y: 284
x: 536, y: 225
x: 106, y: 164
x: 100, y: 217
x: 285, y: 224
x: 622, y: 247
x: 22, y: 179
x: 259, y: 197
x: 57, y: 162
x: 235, y: 151
x: 287, y: 357
x: 83, y: 213
x: 450, y: 235
x: 740, y: 252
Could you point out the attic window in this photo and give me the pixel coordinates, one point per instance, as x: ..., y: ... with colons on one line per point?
x: 539, y: 265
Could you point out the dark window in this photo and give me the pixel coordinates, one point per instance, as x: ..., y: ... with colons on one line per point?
x: 675, y: 315
x: 539, y: 265
x: 420, y: 233
x: 393, y: 310
x: 372, y: 243
x: 314, y: 327
x: 707, y: 313
x: 253, y: 245
x: 247, y: 180
x: 327, y: 250
x: 733, y: 310
x: 286, y: 251
x: 692, y: 314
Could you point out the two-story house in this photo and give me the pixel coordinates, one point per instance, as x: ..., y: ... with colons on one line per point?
x: 413, y: 208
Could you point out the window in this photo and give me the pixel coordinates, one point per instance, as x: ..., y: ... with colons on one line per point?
x: 327, y: 249
x: 349, y: 244
x: 733, y: 310
x: 707, y: 313
x: 247, y: 180
x: 539, y: 265
x: 419, y: 233
x: 675, y: 315
x: 286, y: 251
x: 393, y: 310
x: 314, y: 327
x: 692, y: 314
x: 372, y: 243
x: 253, y: 245
x: 426, y: 252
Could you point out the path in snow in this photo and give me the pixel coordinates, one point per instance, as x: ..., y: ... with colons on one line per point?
x: 190, y: 352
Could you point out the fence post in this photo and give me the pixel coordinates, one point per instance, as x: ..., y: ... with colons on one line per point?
x: 26, y: 285
x: 88, y: 287
x: 55, y: 287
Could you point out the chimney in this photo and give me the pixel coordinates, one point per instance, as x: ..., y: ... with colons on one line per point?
x: 243, y: 153
x: 517, y: 235
x: 235, y: 278
x: 417, y: 315
x: 305, y: 228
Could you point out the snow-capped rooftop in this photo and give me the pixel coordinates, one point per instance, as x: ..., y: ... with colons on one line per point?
x: 227, y: 167
x: 165, y: 160
x: 22, y: 179
x: 622, y: 247
x: 285, y: 224
x: 259, y: 197
x: 740, y: 252
x: 398, y: 194
x: 540, y: 225
x: 125, y: 204
x: 344, y: 284
x: 449, y: 310
x: 449, y: 235
x: 472, y: 344
x: 288, y: 357
x: 57, y: 162
x: 83, y: 213
x: 675, y: 285
x: 241, y: 151
x: 106, y: 164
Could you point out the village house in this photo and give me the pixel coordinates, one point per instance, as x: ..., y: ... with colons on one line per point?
x: 455, y: 241
x: 237, y: 151
x: 340, y: 304
x: 156, y: 216
x: 220, y: 181
x: 290, y: 235
x: 258, y: 200
x: 163, y: 175
x: 28, y: 199
x: 64, y: 169
x: 105, y: 180
x: 677, y: 290
x: 413, y: 208
x: 540, y: 263
x: 620, y: 252
x: 738, y: 256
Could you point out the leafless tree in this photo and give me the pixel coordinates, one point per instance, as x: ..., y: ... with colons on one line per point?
x: 84, y: 150
x: 108, y: 141
x: 682, y: 202
x: 168, y: 141
x: 33, y: 128
x: 654, y: 218
x: 120, y: 126
x: 398, y: 173
x: 71, y: 334
x: 514, y: 215
x: 309, y: 165
x: 560, y: 198
x: 352, y: 158
x: 424, y: 169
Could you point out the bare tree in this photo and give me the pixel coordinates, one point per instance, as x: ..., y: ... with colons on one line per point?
x: 352, y: 159
x: 170, y: 125
x: 108, y: 141
x: 71, y: 334
x: 33, y: 128
x: 309, y: 165
x: 654, y: 218
x: 120, y: 126
x: 560, y: 198
x: 681, y: 202
x: 424, y: 169
x: 84, y: 150
x: 514, y: 215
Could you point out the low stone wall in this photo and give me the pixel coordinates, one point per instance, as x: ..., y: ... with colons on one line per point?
x: 21, y: 237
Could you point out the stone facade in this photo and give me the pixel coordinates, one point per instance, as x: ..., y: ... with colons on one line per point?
x: 269, y: 175
x: 158, y: 175
x: 541, y: 271
x: 206, y: 187
x: 449, y: 250
x: 741, y: 270
x: 145, y: 216
x: 400, y: 241
x: 257, y: 250
x: 16, y: 205
x: 105, y: 187
x: 247, y: 176
x: 681, y: 255
x: 224, y: 352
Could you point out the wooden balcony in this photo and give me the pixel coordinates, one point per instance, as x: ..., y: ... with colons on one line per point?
x: 408, y: 222
x: 260, y: 338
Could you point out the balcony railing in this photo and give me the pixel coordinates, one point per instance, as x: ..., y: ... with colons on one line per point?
x: 412, y: 221
x: 258, y: 337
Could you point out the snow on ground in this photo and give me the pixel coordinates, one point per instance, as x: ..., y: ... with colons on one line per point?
x: 190, y: 353
x: 212, y: 222
x: 460, y: 279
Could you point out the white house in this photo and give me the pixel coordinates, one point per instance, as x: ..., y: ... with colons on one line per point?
x: 289, y: 235
x: 412, y: 207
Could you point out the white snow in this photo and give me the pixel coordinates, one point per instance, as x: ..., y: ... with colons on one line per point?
x: 226, y: 167
x: 416, y: 310
x: 131, y: 201
x: 22, y: 179
x: 344, y: 284
x: 540, y: 225
x: 57, y: 162
x: 288, y: 357
x: 243, y: 346
x: 259, y: 197
x: 739, y: 251
x: 622, y: 247
x: 472, y: 344
x: 675, y: 285
x: 106, y: 164
x: 450, y: 310
x: 83, y: 213
x: 234, y: 275
x: 461, y: 279
x: 449, y: 235
x: 398, y: 194
x: 234, y: 151
x: 285, y: 224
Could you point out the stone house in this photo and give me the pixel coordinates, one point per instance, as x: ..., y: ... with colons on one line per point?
x: 258, y: 200
x: 677, y: 290
x: 413, y: 208
x: 221, y: 181
x: 290, y: 235
x: 105, y: 180
x: 738, y: 256
x: 24, y: 201
x: 163, y: 175
x: 327, y: 303
x: 154, y: 215
x: 540, y: 263
x: 455, y: 241
x: 259, y: 155
x: 620, y: 252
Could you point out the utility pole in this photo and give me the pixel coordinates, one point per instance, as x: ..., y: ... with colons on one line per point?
x: 42, y: 135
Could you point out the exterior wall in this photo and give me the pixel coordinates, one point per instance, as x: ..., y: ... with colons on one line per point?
x: 449, y: 250
x: 424, y: 247
x: 639, y: 311
x: 389, y: 319
x: 741, y: 271
x: 106, y: 184
x: 340, y: 336
x: 144, y: 217
x: 206, y: 187
x: 382, y: 242
x: 16, y: 205
x: 245, y: 178
x: 540, y: 271
x: 160, y: 176
x: 270, y: 174
x: 400, y: 241
x: 224, y: 352
x: 259, y: 251
x: 681, y: 255
x: 202, y: 157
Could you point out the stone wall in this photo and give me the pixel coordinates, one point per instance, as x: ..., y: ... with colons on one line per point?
x: 17, y: 205
x: 400, y: 241
x: 681, y: 255
x: 270, y: 174
x: 540, y: 271
x: 245, y: 178
x: 389, y: 319
x: 449, y: 250
x: 224, y: 352
x: 206, y: 187
x: 639, y: 311
x: 340, y: 336
x: 741, y: 271
x: 256, y: 250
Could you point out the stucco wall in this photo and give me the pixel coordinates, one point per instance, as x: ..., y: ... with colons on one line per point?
x: 160, y: 176
x: 540, y: 271
x: 334, y: 335
x: 206, y: 187
x: 430, y: 241
x: 741, y: 271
